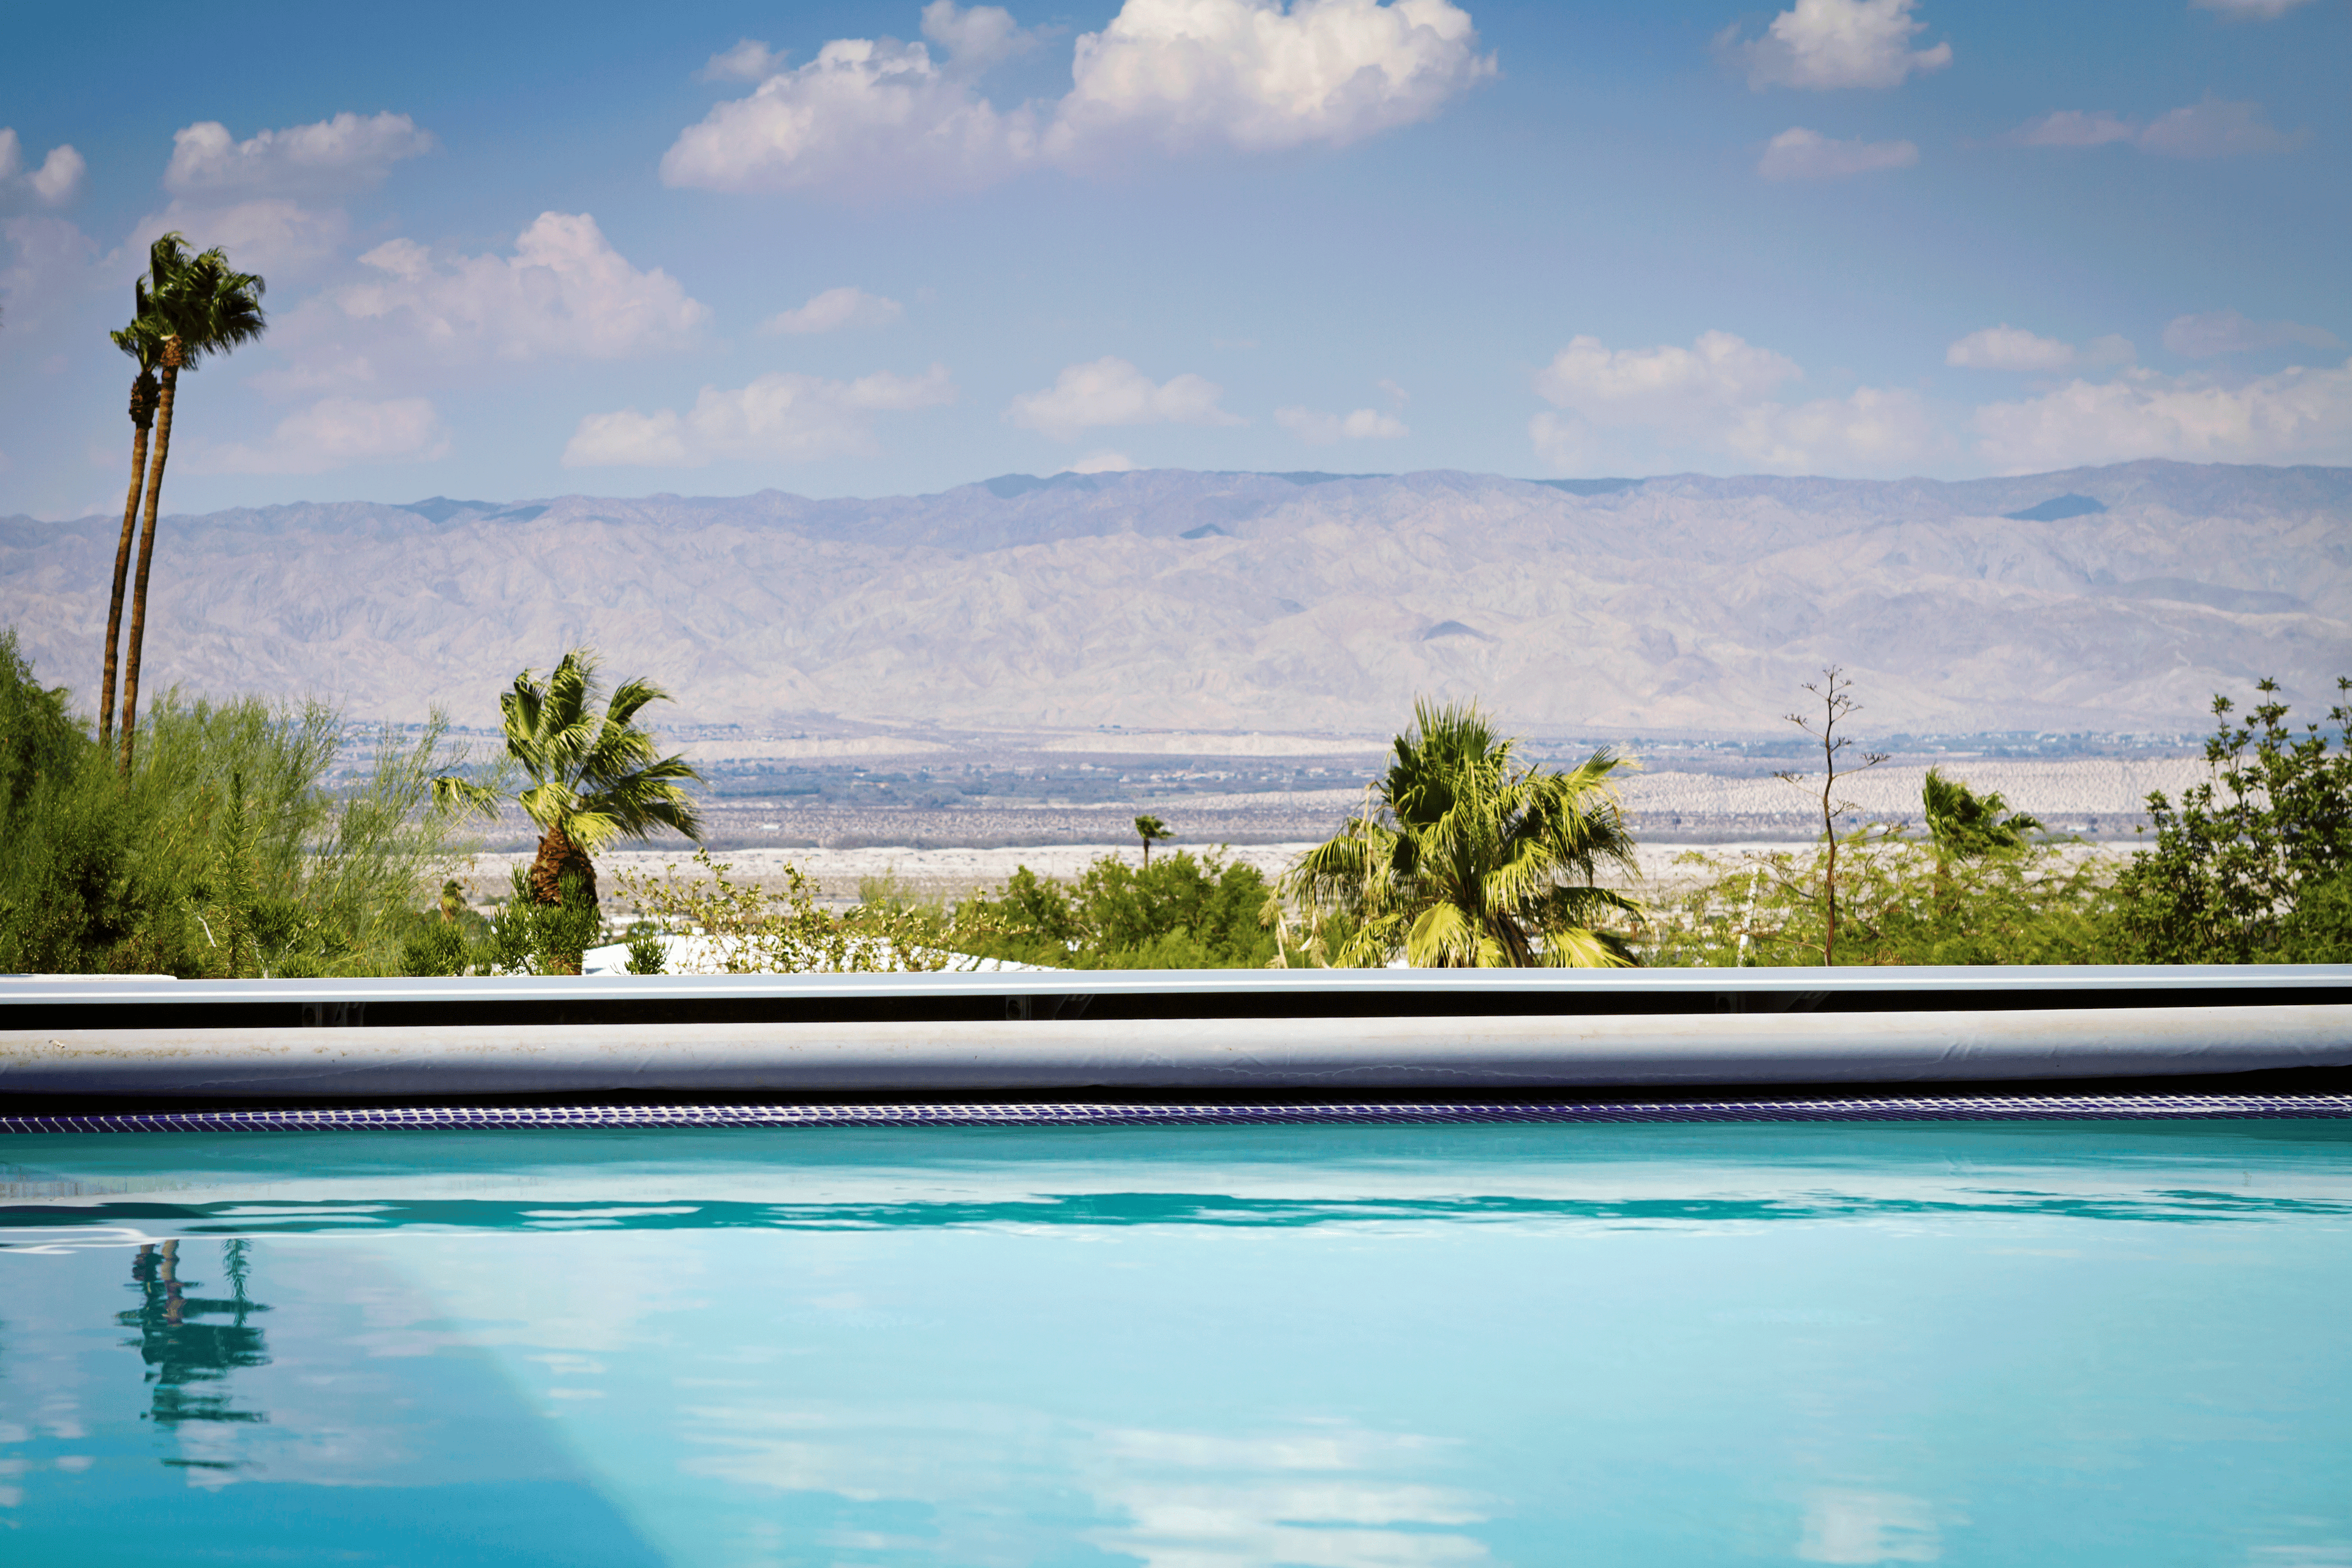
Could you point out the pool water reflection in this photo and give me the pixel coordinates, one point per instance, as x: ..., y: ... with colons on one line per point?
x: 1188, y: 1348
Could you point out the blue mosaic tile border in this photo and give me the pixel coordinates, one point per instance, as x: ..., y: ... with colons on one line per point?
x: 1906, y: 1107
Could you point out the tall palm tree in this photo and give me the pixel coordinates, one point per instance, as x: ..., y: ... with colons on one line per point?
x: 142, y: 340
x: 589, y: 779
x: 205, y: 308
x: 1464, y: 857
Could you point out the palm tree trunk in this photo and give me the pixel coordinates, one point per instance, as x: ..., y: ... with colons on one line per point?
x: 142, y: 418
x: 172, y: 353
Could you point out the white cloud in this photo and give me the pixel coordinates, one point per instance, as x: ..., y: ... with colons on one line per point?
x: 1102, y: 463
x: 2214, y: 128
x: 336, y: 432
x: 2008, y: 348
x: 1666, y: 385
x: 1798, y: 153
x: 1822, y: 44
x: 1872, y: 429
x: 1110, y: 391
x: 271, y: 235
x: 59, y: 179
x: 977, y: 36
x: 2248, y: 10
x: 865, y: 117
x: 328, y: 157
x: 1718, y: 395
x: 563, y: 293
x: 2297, y: 416
x: 2217, y: 129
x: 1252, y: 75
x: 749, y: 60
x: 57, y: 182
x: 869, y: 118
x: 1363, y: 425
x: 835, y: 308
x: 2228, y: 333
x: 783, y: 415
x: 2074, y: 128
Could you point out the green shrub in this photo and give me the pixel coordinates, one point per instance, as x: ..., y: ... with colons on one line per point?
x: 223, y: 854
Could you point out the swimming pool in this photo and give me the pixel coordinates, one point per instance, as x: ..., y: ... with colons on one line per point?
x: 1352, y: 1346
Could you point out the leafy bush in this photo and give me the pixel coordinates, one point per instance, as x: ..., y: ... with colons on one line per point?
x: 223, y: 854
x: 1900, y: 900
x: 2255, y: 864
x: 746, y: 930
x: 1183, y: 912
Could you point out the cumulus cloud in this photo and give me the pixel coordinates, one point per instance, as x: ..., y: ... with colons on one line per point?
x: 2212, y: 129
x: 1798, y: 153
x: 749, y: 60
x: 2228, y: 333
x: 1250, y: 74
x: 1668, y: 384
x: 870, y: 118
x: 1872, y: 429
x: 782, y: 416
x: 865, y: 117
x: 1719, y: 394
x: 562, y: 294
x: 336, y: 432
x: 1322, y: 429
x: 2297, y: 416
x: 57, y: 180
x: 1822, y: 44
x: 328, y: 157
x: 1110, y: 391
x: 2248, y: 10
x: 833, y: 310
x: 975, y: 36
x: 272, y: 235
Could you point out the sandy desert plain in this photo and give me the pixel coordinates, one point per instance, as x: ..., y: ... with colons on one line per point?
x: 947, y: 818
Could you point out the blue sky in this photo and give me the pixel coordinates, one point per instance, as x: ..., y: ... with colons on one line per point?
x: 876, y: 248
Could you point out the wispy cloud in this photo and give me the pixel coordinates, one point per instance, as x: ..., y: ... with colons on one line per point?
x: 1798, y: 153
x: 2214, y: 128
x: 783, y: 415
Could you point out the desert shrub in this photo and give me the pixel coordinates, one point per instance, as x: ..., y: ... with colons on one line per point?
x: 2251, y: 866
x: 747, y: 929
x: 224, y: 852
x: 1183, y: 912
x: 1899, y: 902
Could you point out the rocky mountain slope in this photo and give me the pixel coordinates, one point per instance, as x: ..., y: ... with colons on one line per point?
x: 2111, y: 599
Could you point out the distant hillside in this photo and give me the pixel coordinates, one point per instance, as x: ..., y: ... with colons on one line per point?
x: 2106, y: 599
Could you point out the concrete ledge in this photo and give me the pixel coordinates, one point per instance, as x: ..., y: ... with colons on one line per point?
x: 1434, y: 1053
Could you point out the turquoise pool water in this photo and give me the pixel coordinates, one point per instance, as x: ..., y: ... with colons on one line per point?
x: 1184, y: 1347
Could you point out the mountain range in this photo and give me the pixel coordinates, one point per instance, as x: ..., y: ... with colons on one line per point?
x: 2115, y: 599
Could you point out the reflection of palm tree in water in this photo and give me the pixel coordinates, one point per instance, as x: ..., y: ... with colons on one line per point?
x: 179, y: 1348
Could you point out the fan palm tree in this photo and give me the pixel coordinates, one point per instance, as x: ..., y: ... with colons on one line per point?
x: 1150, y: 829
x: 589, y: 779
x: 203, y: 307
x: 142, y: 340
x: 1463, y: 858
x: 1965, y: 826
